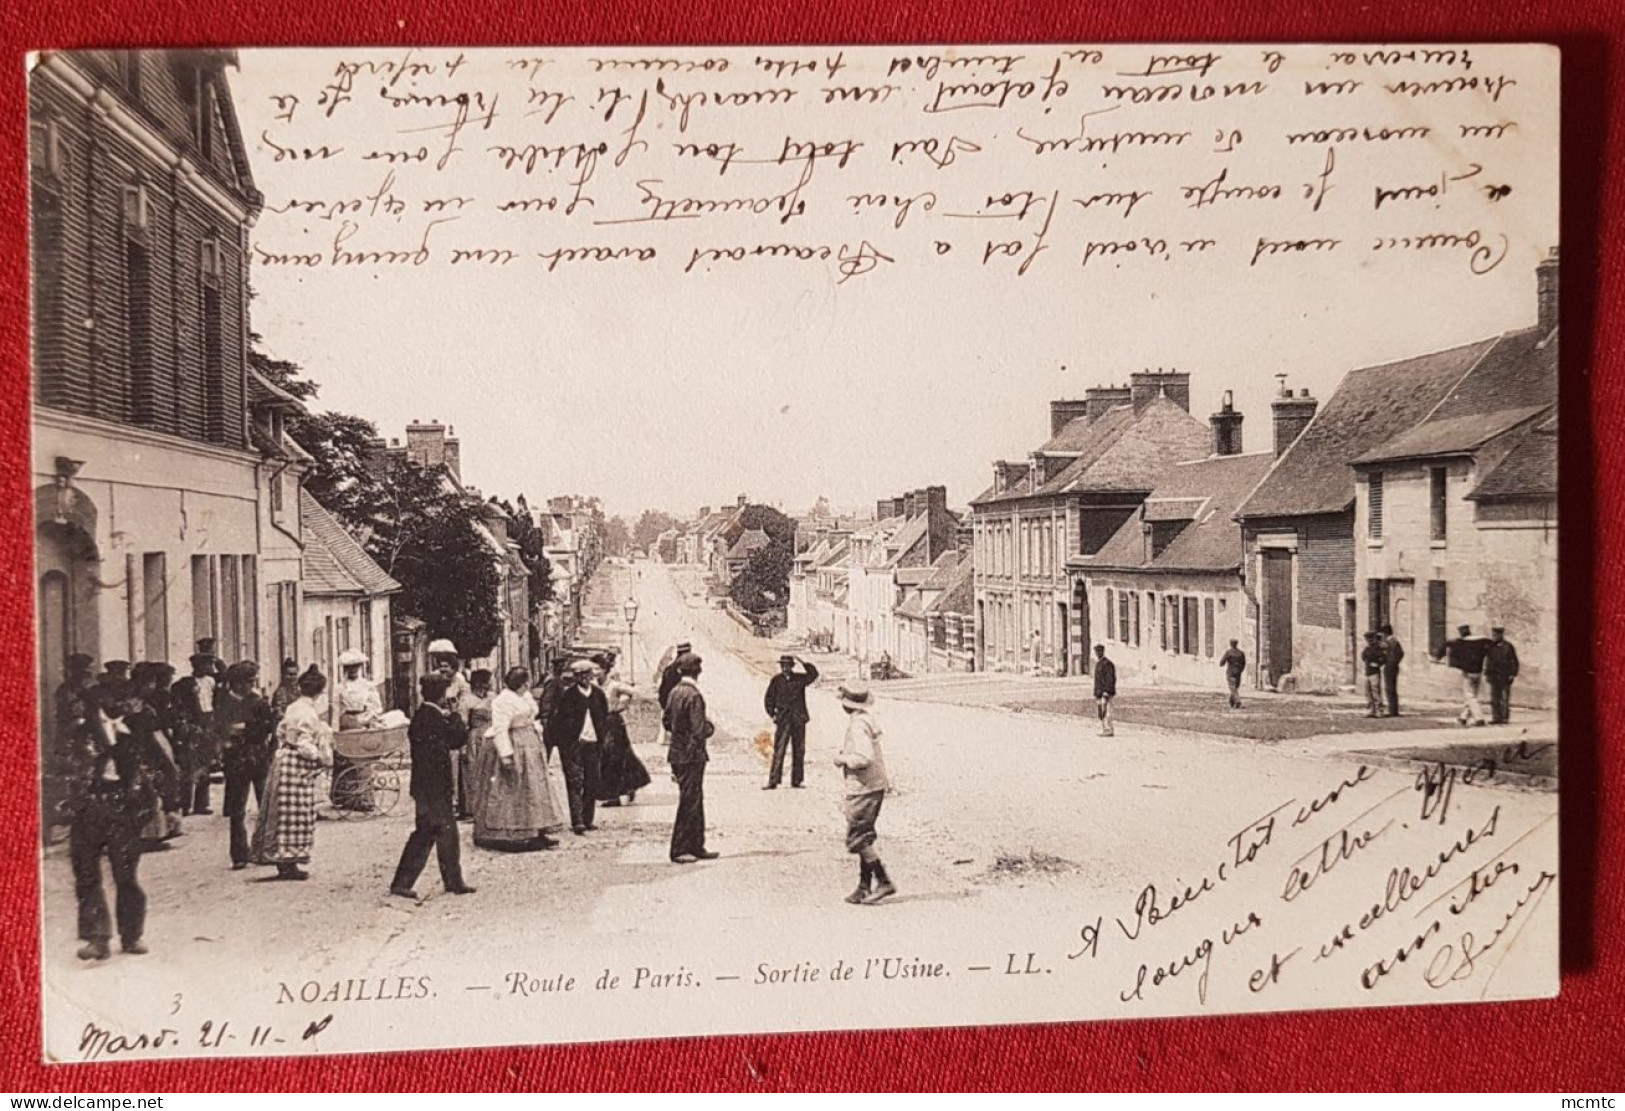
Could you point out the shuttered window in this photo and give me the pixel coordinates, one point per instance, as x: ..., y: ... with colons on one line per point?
x: 1193, y: 625
x: 1111, y: 616
x: 1374, y: 506
x: 1207, y: 631
x: 1438, y: 614
x: 1437, y: 488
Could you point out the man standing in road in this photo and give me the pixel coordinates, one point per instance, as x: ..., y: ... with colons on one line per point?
x: 1500, y: 668
x: 668, y: 680
x: 1393, y: 653
x: 1465, y: 653
x: 786, y: 704
x: 547, y: 699
x: 689, y: 727
x: 1372, y: 660
x: 1234, y: 662
x: 1105, y: 690
x: 580, y: 721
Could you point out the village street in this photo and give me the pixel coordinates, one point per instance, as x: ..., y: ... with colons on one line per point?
x: 1020, y: 828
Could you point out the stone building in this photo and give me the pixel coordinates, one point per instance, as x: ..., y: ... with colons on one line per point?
x: 1456, y: 517
x: 1168, y: 584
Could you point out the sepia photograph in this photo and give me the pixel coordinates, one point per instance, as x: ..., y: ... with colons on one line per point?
x: 595, y: 543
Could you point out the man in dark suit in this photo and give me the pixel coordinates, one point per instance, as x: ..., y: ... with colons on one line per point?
x: 547, y: 696
x: 1500, y: 668
x: 1105, y: 690
x: 1393, y: 654
x: 786, y: 704
x: 435, y: 732
x: 244, y: 723
x: 580, y: 719
x: 686, y: 720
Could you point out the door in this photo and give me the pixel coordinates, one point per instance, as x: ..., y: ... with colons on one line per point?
x: 1277, y: 594
x: 1402, y: 611
x: 54, y: 623
x: 1063, y: 640
x: 1351, y: 641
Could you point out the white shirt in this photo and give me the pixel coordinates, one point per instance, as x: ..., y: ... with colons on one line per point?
x: 510, y: 710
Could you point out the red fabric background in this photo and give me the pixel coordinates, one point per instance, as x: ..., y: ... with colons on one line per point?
x: 1572, y: 1044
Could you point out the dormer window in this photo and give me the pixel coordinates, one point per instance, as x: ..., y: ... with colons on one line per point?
x: 50, y: 155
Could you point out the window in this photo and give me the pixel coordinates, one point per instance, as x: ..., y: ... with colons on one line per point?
x: 204, y: 620
x: 1134, y: 611
x: 155, y: 605
x: 1207, y: 639
x: 1172, y: 640
x: 214, y: 368
x: 138, y: 333
x: 137, y: 208
x: 1122, y: 615
x: 1111, y: 617
x: 1374, y: 505
x: 1437, y: 486
x: 341, y: 637
x: 251, y: 608
x: 277, y: 478
x: 1193, y: 626
x: 1438, y: 631
x: 129, y: 70
x: 287, y: 621
x: 231, y: 600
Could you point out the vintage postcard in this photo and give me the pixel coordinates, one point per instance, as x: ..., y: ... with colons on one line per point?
x: 559, y: 545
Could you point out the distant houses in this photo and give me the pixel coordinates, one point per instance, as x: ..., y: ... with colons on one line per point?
x: 1421, y: 494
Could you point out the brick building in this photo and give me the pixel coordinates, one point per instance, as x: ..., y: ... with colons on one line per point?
x: 1041, y: 516
x: 165, y: 495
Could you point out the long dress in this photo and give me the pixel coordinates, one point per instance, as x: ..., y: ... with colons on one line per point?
x: 620, y: 771
x: 518, y: 804
x: 359, y: 708
x: 479, y: 728
x: 287, y: 823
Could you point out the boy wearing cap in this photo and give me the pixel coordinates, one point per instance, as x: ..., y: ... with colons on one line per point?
x: 865, y: 772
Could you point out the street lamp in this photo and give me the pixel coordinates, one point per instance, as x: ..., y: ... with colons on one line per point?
x: 631, y: 611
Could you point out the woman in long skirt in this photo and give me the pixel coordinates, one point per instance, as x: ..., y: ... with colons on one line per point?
x: 478, y: 706
x: 359, y: 708
x: 620, y: 771
x: 287, y: 822
x: 517, y: 809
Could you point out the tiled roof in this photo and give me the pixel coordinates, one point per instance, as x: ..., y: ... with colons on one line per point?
x: 901, y: 542
x: 912, y: 576
x: 1370, y: 406
x: 262, y: 391
x: 959, y: 596
x: 334, y: 563
x: 1074, y: 436
x: 913, y: 606
x: 1121, y: 451
x: 1528, y: 471
x: 1449, y: 437
x: 749, y: 541
x: 836, y: 556
x: 943, y: 571
x: 1212, y: 541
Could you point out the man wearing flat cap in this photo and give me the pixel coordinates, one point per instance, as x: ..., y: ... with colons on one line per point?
x: 1500, y: 668
x: 786, y: 704
x: 669, y: 677
x: 686, y: 721
x: 580, y: 720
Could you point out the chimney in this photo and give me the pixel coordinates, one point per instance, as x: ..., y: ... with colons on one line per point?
x: 454, y: 457
x: 1063, y: 413
x: 1099, y: 400
x: 941, y: 528
x: 883, y: 506
x: 897, y: 507
x: 1145, y: 386
x: 909, y: 505
x: 426, y: 443
x: 1226, y: 428
x: 742, y: 501
x: 496, y: 522
x: 1546, y: 292
x: 705, y: 511
x: 1292, y: 415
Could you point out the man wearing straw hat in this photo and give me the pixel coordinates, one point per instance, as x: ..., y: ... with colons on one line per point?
x: 786, y: 704
x: 865, y: 770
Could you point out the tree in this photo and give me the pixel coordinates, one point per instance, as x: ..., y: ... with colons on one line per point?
x: 651, y: 523
x: 764, y: 583
x: 448, y: 574
x: 617, y: 536
x: 522, y: 531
